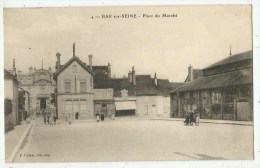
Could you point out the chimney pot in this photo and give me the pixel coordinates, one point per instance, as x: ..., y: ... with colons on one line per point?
x: 155, y: 79
x: 190, y: 72
x: 14, y: 68
x: 130, y: 77
x: 58, y: 61
x: 133, y: 75
x: 109, y: 70
x: 90, y: 57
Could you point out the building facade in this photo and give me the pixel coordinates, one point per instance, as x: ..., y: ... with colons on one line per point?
x: 40, y: 85
x: 88, y: 90
x: 225, y: 91
x: 75, y: 92
x: 11, y: 98
x: 23, y: 105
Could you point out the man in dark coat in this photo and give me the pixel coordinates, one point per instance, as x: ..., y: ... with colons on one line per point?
x: 102, y: 117
x: 44, y: 116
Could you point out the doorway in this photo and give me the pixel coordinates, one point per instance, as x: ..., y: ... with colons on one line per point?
x: 42, y: 103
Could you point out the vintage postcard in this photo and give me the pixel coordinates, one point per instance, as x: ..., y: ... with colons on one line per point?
x: 128, y: 83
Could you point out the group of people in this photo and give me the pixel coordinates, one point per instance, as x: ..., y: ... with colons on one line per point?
x: 192, y: 118
x: 49, y: 118
x: 100, y: 117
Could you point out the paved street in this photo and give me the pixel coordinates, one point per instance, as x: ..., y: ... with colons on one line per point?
x: 132, y: 140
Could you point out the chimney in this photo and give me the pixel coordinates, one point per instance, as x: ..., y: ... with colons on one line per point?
x: 133, y: 74
x: 58, y: 61
x: 130, y: 77
x: 90, y: 60
x: 74, y: 49
x: 155, y: 79
x: 190, y: 72
x: 14, y: 68
x: 109, y: 70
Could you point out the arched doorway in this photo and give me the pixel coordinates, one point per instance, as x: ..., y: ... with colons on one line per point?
x: 42, y: 103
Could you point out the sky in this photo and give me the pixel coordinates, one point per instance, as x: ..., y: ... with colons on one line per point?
x: 199, y: 36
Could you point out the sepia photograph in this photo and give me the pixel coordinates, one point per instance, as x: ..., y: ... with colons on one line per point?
x: 128, y: 83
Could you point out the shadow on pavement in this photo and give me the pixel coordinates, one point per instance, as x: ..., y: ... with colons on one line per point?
x: 201, y: 156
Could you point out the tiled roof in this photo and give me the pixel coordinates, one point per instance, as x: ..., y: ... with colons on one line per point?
x: 117, y: 84
x: 145, y: 86
x: 233, y: 78
x: 233, y: 58
x: 100, y: 71
x: 176, y: 84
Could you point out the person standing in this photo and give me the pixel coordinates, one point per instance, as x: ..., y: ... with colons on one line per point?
x: 77, y: 115
x: 54, y: 118
x: 98, y: 117
x: 44, y: 116
x: 102, y: 117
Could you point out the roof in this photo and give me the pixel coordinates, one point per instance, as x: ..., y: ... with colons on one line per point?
x: 82, y: 64
x: 117, y: 84
x: 196, y: 74
x: 100, y: 71
x: 233, y: 58
x: 176, y: 84
x: 145, y: 86
x: 8, y: 75
x: 233, y: 78
x: 164, y: 87
x: 99, y: 67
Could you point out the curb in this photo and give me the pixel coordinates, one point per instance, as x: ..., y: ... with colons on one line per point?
x: 201, y: 121
x: 19, y: 144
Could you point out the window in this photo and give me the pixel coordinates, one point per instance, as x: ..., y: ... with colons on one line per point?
x: 228, y: 105
x: 244, y: 92
x: 216, y: 97
x: 187, y: 98
x: 83, y: 86
x: 67, y: 87
x: 229, y: 96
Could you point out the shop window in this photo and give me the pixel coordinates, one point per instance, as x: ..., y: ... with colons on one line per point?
x: 228, y: 108
x: 244, y: 92
x: 228, y: 105
x: 187, y: 98
x: 216, y: 108
x: 229, y: 96
x: 216, y: 97
x: 205, y: 97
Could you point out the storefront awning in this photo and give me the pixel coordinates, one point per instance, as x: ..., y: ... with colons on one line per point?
x: 125, y: 105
